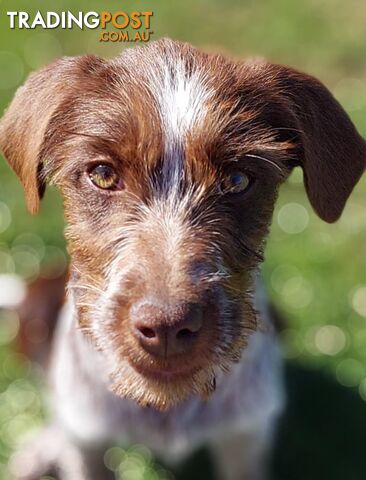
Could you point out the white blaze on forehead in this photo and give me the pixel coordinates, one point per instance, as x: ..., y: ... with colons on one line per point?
x: 182, y: 98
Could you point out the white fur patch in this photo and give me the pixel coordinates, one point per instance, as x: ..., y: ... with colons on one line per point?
x: 182, y: 99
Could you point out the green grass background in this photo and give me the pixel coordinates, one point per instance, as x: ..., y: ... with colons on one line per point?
x: 315, y: 273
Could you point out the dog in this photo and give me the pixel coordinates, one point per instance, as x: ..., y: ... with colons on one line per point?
x: 169, y: 161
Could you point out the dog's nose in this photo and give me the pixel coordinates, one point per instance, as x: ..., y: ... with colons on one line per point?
x: 166, y: 331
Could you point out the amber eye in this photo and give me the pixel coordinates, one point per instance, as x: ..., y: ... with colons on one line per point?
x: 105, y: 177
x: 235, y: 182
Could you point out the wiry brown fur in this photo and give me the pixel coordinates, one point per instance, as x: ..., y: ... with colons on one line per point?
x: 258, y: 117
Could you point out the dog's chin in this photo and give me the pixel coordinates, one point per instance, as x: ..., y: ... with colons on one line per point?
x: 160, y: 389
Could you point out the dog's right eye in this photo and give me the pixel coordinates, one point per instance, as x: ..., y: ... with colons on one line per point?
x: 105, y: 177
x: 235, y: 182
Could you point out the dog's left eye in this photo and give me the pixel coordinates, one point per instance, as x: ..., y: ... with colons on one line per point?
x: 235, y: 182
x: 105, y: 177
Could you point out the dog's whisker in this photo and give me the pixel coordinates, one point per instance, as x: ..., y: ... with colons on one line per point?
x: 271, y: 162
x: 86, y: 287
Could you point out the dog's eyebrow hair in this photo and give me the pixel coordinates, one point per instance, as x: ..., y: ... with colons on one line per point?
x: 252, y: 155
x: 88, y: 135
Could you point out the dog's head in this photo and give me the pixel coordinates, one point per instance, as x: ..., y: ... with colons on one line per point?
x: 169, y: 162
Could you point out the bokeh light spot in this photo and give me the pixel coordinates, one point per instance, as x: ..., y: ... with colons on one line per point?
x: 31, y: 242
x: 308, y: 338
x: 12, y: 290
x: 297, y: 292
x: 362, y: 389
x: 359, y: 301
x: 113, y: 458
x: 7, y: 264
x: 27, y: 264
x: 9, y: 326
x: 16, y: 365
x: 5, y: 217
x: 330, y: 340
x: 281, y: 275
x: 17, y: 427
x: 293, y: 218
x: 350, y: 372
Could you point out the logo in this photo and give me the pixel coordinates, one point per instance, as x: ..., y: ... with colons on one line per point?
x: 120, y: 26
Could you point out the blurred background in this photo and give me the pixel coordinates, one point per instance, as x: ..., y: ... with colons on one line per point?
x: 315, y: 273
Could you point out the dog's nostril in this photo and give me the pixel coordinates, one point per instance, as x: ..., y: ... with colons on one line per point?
x: 165, y: 330
x: 147, y: 332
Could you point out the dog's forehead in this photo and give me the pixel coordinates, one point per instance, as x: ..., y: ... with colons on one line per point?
x: 190, y: 96
x: 170, y: 105
x: 182, y: 95
x: 178, y: 80
x: 178, y: 95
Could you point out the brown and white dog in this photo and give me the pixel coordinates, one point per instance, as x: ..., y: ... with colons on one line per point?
x: 169, y: 161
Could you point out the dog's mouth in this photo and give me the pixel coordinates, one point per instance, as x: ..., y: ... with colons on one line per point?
x: 166, y: 374
x: 161, y: 387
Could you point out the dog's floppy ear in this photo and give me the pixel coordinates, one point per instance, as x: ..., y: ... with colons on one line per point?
x: 24, y: 124
x: 331, y: 152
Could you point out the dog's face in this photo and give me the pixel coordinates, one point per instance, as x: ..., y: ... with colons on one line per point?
x: 169, y: 161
